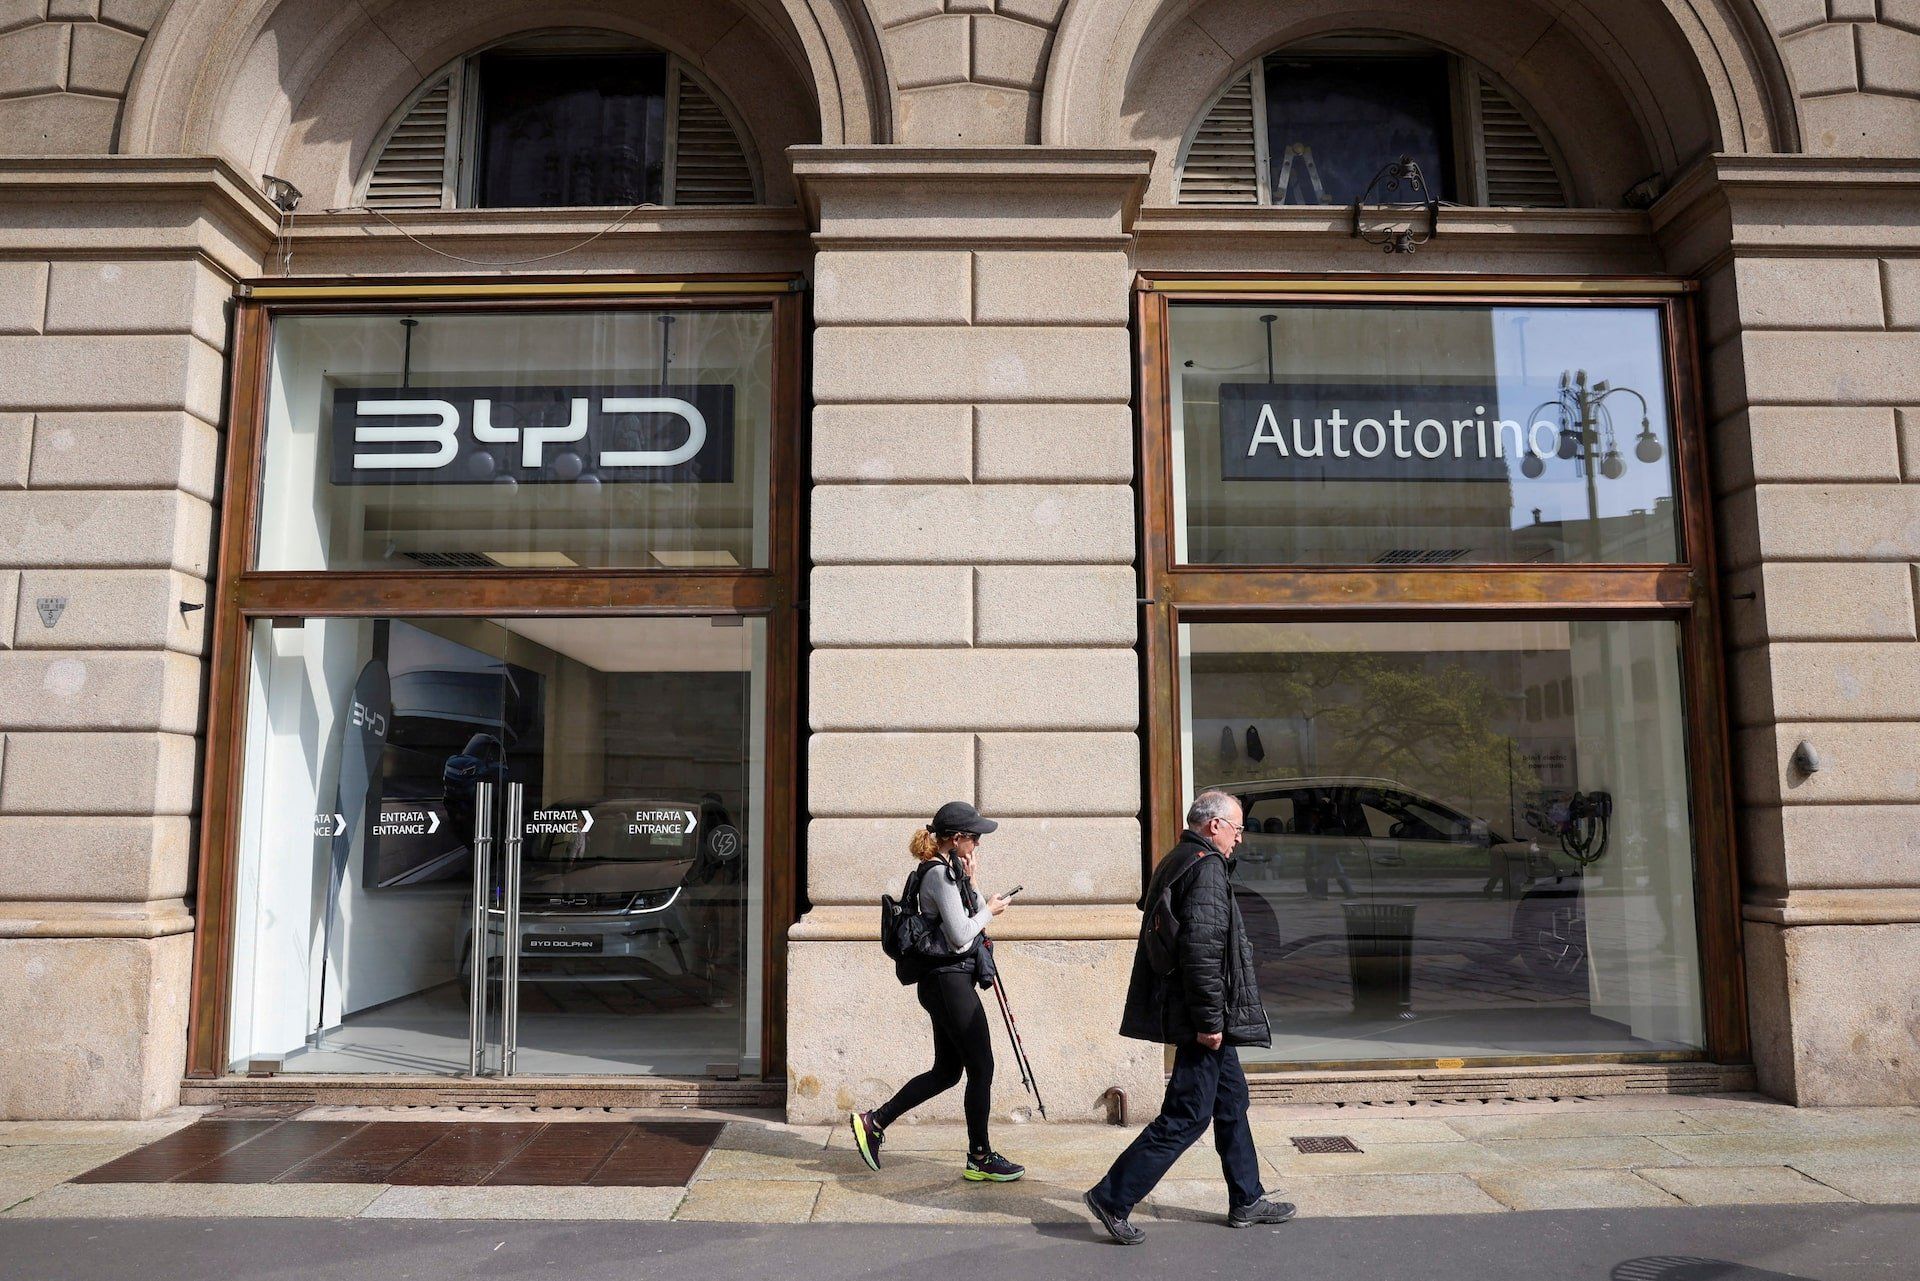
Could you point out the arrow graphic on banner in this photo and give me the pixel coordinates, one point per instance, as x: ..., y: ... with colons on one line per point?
x: 339, y: 825
x: 586, y: 821
x: 693, y: 821
x: 433, y: 822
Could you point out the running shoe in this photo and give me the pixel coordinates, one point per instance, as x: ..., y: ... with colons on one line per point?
x: 991, y: 1167
x: 1261, y: 1211
x: 868, y: 1137
x: 1117, y: 1227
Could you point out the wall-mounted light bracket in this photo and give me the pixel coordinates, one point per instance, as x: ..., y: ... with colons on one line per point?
x: 1402, y: 194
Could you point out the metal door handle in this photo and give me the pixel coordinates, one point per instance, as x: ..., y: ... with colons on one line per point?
x: 477, y: 943
x: 510, y: 978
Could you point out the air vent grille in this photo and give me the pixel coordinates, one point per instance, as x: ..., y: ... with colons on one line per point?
x: 452, y: 560
x: 1421, y: 556
x: 1519, y: 169
x: 412, y: 170
x: 709, y: 165
x: 1223, y: 161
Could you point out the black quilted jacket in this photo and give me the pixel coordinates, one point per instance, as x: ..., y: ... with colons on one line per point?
x: 1214, y: 988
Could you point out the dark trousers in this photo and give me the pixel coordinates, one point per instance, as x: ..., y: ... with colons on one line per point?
x: 1207, y: 1088
x: 962, y: 1042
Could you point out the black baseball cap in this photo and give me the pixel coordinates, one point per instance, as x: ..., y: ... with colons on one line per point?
x: 958, y: 816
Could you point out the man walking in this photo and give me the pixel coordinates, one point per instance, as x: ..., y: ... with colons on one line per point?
x: 1194, y: 988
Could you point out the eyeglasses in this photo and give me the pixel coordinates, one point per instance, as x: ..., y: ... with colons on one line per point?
x: 1238, y: 827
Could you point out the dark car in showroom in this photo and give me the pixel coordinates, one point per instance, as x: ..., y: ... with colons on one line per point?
x: 1384, y: 874
x: 625, y: 889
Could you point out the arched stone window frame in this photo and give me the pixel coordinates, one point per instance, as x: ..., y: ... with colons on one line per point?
x: 443, y: 105
x: 1235, y: 169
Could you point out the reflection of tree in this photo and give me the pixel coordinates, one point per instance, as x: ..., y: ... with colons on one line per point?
x: 1436, y: 730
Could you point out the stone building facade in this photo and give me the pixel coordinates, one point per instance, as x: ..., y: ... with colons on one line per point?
x: 977, y: 200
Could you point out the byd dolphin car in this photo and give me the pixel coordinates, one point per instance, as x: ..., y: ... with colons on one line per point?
x: 640, y: 893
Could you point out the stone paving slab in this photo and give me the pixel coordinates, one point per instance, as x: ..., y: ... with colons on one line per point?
x: 1608, y: 1151
x: 1361, y: 1129
x: 1776, y: 1118
x: 1848, y: 1148
x: 1579, y: 1125
x: 1389, y: 1158
x: 1205, y: 1200
x: 944, y: 1198
x: 56, y: 1162
x: 1741, y: 1185
x: 521, y: 1203
x: 1574, y: 1190
x: 1873, y: 1184
x: 199, y: 1200
x: 129, y: 1133
x: 761, y: 1200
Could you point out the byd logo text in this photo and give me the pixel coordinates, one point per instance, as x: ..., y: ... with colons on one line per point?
x: 441, y: 432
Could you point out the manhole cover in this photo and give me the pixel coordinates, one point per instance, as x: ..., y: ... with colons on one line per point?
x: 1325, y: 1143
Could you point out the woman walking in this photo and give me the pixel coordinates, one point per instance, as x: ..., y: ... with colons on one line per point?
x: 948, y: 851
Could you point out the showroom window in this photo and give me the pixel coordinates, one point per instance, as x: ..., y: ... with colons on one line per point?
x: 501, y: 754
x: 1314, y: 123
x: 1429, y: 590
x: 569, y: 118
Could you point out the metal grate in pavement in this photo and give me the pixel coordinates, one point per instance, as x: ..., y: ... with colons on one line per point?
x: 1325, y: 1143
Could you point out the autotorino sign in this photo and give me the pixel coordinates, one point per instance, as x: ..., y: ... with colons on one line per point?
x: 1359, y: 431
x: 538, y: 435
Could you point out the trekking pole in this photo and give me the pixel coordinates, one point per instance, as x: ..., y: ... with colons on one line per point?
x: 1019, y: 1050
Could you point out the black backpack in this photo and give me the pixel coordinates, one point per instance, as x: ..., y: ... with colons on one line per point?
x: 908, y: 934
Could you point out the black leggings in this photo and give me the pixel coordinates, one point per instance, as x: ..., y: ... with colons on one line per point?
x: 961, y: 1042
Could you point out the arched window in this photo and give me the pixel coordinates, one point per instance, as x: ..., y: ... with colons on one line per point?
x: 564, y: 119
x: 1313, y: 124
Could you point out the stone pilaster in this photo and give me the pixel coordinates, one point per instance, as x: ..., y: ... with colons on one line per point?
x: 113, y: 338
x: 1811, y: 334
x: 973, y: 602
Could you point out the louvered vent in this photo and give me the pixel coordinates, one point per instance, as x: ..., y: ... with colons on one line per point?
x: 1223, y: 161
x: 412, y: 170
x: 1518, y: 168
x: 709, y: 165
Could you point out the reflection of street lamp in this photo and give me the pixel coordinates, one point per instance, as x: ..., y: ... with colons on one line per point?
x: 1586, y: 425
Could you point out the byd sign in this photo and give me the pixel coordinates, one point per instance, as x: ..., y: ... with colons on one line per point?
x: 479, y: 435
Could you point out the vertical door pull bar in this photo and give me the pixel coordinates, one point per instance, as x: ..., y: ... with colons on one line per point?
x: 510, y: 982
x: 477, y: 949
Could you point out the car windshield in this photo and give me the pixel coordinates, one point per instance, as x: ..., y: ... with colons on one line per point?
x: 631, y: 831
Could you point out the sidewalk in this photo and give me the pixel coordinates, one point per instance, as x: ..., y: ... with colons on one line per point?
x: 1429, y: 1159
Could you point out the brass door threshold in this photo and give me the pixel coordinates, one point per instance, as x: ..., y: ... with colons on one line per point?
x: 574, y: 1092
x: 1498, y: 1083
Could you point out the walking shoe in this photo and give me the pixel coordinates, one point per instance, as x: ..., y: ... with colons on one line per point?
x: 1261, y: 1211
x: 1117, y: 1228
x: 867, y: 1137
x: 991, y: 1167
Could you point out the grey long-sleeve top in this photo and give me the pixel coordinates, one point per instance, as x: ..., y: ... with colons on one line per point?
x: 960, y: 923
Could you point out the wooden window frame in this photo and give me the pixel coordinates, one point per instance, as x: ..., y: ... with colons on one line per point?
x: 1684, y: 592
x: 243, y: 594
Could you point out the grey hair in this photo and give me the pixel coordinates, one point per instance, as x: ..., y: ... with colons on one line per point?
x: 1208, y: 806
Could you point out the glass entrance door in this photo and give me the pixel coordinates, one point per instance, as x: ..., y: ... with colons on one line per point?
x: 535, y: 847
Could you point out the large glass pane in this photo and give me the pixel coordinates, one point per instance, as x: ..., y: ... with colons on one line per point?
x: 1333, y: 123
x: 521, y: 440
x: 571, y: 129
x: 1463, y: 840
x: 639, y: 745
x: 1420, y: 435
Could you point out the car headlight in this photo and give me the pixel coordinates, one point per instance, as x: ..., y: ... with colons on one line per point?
x: 653, y: 900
